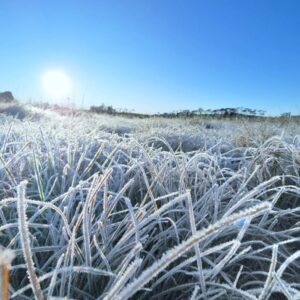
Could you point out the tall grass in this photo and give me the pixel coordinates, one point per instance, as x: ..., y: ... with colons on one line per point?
x: 110, y: 208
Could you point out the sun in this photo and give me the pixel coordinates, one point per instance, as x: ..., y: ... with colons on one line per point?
x: 57, y: 84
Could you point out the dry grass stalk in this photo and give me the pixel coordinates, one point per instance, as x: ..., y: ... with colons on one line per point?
x: 6, y: 256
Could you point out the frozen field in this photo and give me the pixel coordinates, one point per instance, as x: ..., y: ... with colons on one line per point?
x: 99, y: 207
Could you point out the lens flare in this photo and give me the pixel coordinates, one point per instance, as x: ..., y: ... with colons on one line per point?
x: 56, y: 84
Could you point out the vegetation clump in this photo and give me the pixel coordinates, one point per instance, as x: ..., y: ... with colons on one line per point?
x: 6, y: 97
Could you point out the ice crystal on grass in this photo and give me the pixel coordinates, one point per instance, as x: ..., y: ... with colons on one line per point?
x: 98, y: 207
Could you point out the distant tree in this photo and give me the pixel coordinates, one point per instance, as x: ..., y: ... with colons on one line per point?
x: 286, y: 115
x: 231, y: 112
x: 103, y: 109
x: 110, y: 110
x: 248, y: 112
x: 7, y: 97
x: 261, y: 112
x: 216, y: 112
x: 195, y: 112
x: 200, y: 111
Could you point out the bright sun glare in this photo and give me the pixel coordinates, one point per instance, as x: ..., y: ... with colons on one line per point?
x: 56, y: 84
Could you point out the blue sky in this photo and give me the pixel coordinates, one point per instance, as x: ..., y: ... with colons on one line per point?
x: 158, y: 55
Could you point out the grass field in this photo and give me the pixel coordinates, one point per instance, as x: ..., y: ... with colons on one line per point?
x: 99, y: 207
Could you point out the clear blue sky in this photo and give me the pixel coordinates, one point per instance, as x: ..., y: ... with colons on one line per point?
x: 156, y: 55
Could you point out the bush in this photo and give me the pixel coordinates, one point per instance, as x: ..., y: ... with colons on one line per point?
x: 16, y: 111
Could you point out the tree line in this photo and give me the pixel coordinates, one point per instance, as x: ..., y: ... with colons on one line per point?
x: 222, y: 112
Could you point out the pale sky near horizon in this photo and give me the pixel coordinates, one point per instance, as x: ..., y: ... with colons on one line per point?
x: 155, y: 56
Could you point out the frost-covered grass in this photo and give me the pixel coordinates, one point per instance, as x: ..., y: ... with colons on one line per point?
x: 100, y: 207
